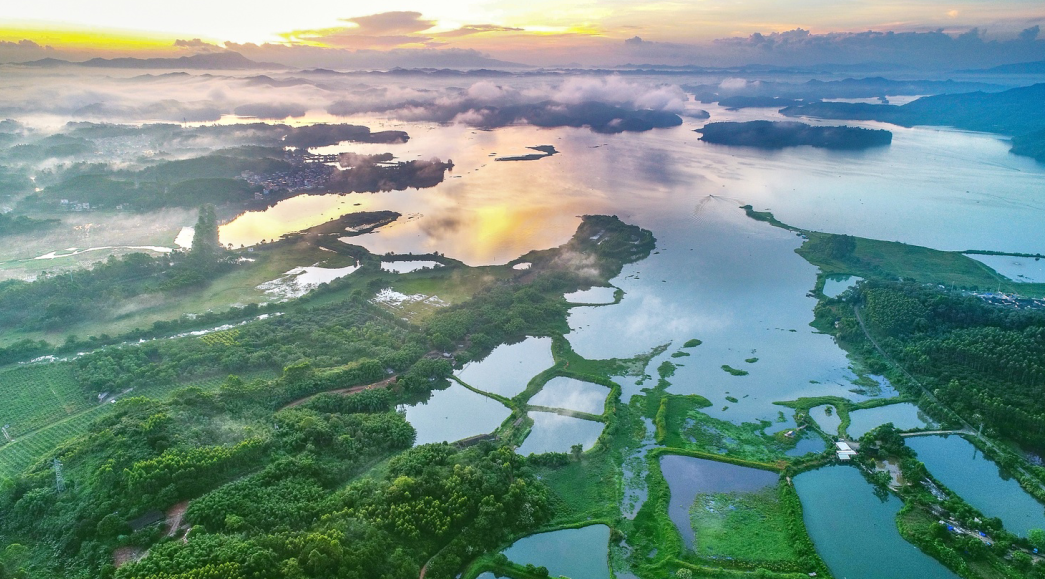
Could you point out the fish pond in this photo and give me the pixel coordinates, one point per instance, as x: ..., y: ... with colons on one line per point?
x: 455, y: 413
x: 904, y: 416
x: 688, y: 477
x: 557, y: 433
x: 855, y: 531
x: 508, y: 369
x: 575, y: 553
x: 960, y: 466
x: 572, y: 394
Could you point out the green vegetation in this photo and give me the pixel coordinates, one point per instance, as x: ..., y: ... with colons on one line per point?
x: 692, y: 343
x: 751, y: 527
x: 874, y: 259
x: 978, y: 359
x: 15, y: 224
x: 58, y: 300
x: 680, y: 424
x: 37, y: 395
x: 1030, y: 145
x: 751, y: 360
x: 733, y: 371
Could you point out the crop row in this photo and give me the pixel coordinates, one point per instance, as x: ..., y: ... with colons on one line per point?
x: 26, y: 450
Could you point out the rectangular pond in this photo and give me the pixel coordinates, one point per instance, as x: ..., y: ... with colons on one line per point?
x: 855, y: 531
x: 454, y: 414
x: 508, y: 368
x: 687, y: 477
x: 575, y: 553
x: 961, y: 467
x: 572, y: 394
x: 904, y: 416
x: 557, y: 433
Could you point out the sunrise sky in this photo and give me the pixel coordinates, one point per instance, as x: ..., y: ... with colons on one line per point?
x: 532, y: 32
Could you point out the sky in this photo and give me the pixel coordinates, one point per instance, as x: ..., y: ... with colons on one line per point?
x: 533, y: 32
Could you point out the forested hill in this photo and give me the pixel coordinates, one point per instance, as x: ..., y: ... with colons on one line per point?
x: 1016, y: 111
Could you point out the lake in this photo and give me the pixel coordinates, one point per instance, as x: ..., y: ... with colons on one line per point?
x: 836, y: 284
x: 855, y: 532
x: 829, y: 423
x: 961, y: 467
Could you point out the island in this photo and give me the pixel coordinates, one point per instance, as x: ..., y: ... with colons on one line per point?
x: 782, y: 134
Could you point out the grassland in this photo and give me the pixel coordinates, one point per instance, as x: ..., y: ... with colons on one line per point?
x: 746, y: 526
x: 872, y: 258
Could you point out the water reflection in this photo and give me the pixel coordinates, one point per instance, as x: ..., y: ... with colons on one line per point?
x: 454, y: 414
x: 687, y: 477
x: 572, y: 394
x: 576, y: 553
x: 960, y: 466
x: 508, y: 369
x: 558, y: 433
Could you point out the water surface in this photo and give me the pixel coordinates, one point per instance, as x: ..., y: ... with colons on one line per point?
x: 572, y: 394
x: 961, y: 467
x: 687, y: 477
x: 855, y: 532
x: 828, y: 423
x: 508, y: 368
x: 454, y: 414
x: 575, y: 553
x: 1021, y: 269
x: 557, y: 433
x: 904, y: 416
x: 835, y: 285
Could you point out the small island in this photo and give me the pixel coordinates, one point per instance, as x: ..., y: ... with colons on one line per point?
x: 542, y: 152
x: 782, y: 134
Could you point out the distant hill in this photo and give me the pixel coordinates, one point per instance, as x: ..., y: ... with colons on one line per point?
x: 1013, y: 112
x: 213, y: 61
x: 1037, y: 67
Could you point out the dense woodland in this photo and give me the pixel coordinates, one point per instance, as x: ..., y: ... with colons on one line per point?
x: 984, y: 361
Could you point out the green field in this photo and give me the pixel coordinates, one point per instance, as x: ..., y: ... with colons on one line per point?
x: 37, y: 395
x: 41, y: 420
x: 17, y: 456
x: 751, y: 527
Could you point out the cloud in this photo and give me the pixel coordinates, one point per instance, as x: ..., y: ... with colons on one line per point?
x: 197, y: 46
x: 387, y: 29
x: 920, y: 49
x: 391, y: 23
x: 608, y: 105
x: 470, y: 29
x: 25, y: 50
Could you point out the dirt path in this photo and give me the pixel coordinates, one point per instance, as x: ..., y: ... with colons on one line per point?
x: 344, y: 391
x: 175, y: 515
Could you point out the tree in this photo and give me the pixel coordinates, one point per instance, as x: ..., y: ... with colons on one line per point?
x: 576, y: 451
